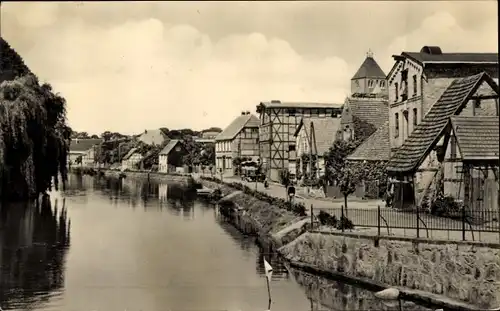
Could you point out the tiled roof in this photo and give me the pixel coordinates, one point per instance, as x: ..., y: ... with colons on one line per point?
x: 375, y: 148
x: 247, y: 120
x: 409, y: 156
x: 371, y: 110
x: 129, y: 154
x: 452, y: 57
x: 477, y: 137
x: 171, y: 144
x: 81, y: 145
x: 325, y: 130
x: 369, y: 69
x: 153, y: 137
x: 279, y: 104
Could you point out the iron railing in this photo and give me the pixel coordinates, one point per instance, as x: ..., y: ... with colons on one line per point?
x: 478, y: 225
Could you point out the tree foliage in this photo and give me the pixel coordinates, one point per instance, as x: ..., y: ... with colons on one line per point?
x: 34, y: 138
x: 335, y: 160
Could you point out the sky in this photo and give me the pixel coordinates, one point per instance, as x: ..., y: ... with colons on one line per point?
x: 131, y: 66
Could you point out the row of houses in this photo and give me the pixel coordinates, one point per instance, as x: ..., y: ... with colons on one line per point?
x: 433, y: 119
x: 170, y: 159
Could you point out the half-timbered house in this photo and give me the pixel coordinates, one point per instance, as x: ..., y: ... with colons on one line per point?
x: 238, y: 140
x: 278, y: 123
x: 419, y: 165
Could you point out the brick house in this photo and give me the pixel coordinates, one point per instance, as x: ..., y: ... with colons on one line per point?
x: 420, y: 162
x: 418, y: 79
x: 239, y: 140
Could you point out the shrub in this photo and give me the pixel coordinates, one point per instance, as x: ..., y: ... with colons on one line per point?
x: 445, y: 206
x: 328, y: 220
x: 284, y: 176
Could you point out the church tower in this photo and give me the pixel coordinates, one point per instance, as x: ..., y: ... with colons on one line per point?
x: 369, y: 80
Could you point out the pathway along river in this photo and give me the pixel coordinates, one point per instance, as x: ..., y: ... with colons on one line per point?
x: 109, y: 245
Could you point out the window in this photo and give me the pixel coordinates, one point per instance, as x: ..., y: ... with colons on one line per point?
x: 370, y: 83
x: 407, y: 124
x: 291, y: 112
x: 415, y: 86
x: 291, y: 147
x: 396, y: 88
x: 415, y: 117
x: 453, y: 147
x: 396, y: 124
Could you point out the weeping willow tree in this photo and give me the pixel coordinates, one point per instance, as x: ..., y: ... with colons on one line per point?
x: 34, y: 138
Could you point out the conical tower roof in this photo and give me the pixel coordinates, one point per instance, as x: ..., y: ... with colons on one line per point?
x: 369, y: 69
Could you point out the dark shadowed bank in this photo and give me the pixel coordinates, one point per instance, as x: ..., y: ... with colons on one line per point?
x: 455, y: 276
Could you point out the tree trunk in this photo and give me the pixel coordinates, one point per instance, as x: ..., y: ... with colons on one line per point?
x: 345, y: 203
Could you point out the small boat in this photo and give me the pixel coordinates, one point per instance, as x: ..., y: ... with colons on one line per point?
x: 204, y: 191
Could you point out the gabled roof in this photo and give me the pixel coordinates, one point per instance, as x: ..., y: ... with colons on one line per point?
x: 371, y: 110
x: 375, y: 148
x: 369, y: 69
x: 82, y: 145
x: 230, y: 132
x: 325, y: 130
x: 280, y: 104
x: 477, y: 137
x: 171, y: 144
x: 129, y: 154
x: 414, y: 150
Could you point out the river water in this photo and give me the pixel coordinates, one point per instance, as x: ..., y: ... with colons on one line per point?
x: 106, y: 245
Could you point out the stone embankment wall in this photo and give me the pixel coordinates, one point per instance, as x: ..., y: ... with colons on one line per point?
x: 153, y: 176
x: 465, y: 272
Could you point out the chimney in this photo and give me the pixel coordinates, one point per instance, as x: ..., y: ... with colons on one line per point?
x: 248, y: 112
x: 243, y: 113
x: 433, y: 50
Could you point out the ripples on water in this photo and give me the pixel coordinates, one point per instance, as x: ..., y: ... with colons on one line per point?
x: 150, y: 247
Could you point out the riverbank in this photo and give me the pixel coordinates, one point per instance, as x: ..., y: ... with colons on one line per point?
x: 153, y: 176
x: 454, y: 275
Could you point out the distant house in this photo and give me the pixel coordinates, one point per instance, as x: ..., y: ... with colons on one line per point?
x: 131, y: 160
x: 170, y: 158
x: 153, y: 137
x: 314, y: 137
x: 84, y: 149
x: 455, y: 140
x: 238, y: 140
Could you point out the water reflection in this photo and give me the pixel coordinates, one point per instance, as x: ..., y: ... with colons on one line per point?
x: 34, y: 239
x: 330, y: 295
